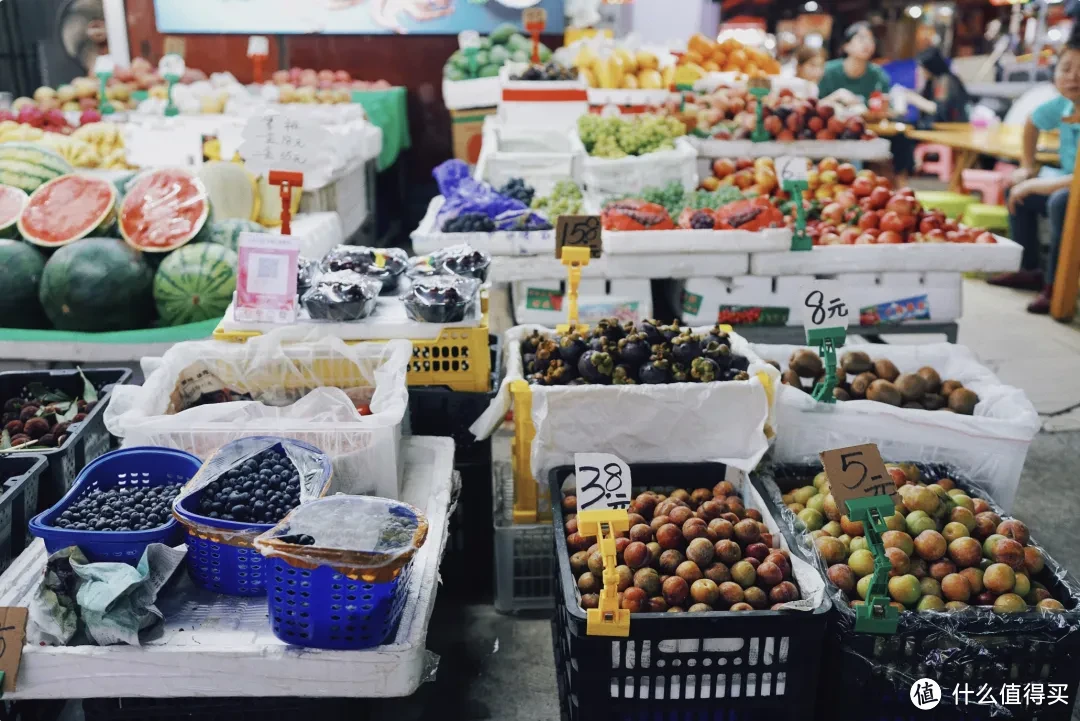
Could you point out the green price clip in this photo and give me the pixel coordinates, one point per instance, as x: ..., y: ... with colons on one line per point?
x: 877, y: 615
x: 103, y: 102
x: 170, y: 106
x: 827, y: 341
x: 800, y: 240
x: 760, y: 135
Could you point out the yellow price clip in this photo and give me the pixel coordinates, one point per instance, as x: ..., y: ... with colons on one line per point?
x: 574, y: 259
x: 608, y: 619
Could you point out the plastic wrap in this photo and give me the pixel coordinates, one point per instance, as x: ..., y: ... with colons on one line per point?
x: 441, y: 298
x: 991, y: 445
x: 976, y: 645
x: 163, y: 209
x: 354, y: 534
x: 306, y: 386
x: 342, y: 296
x: 422, y: 266
x: 463, y: 260
x: 466, y: 195
x: 385, y: 265
x: 312, y: 465
x: 306, y: 269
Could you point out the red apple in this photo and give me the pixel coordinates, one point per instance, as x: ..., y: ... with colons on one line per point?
x: 890, y: 237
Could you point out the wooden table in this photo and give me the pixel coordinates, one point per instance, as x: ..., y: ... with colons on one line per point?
x: 1004, y: 141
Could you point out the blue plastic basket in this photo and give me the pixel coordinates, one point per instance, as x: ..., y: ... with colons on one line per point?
x: 140, y: 467
x: 220, y: 556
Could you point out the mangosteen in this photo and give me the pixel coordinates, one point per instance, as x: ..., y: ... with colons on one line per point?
x: 715, y: 335
x: 596, y: 366
x: 528, y: 361
x: 48, y: 440
x: 670, y: 331
x: 13, y: 428
x: 685, y: 348
x: 656, y: 371
x: 531, y: 342
x: 704, y: 370
x: 650, y: 328
x: 680, y: 373
x: 547, y: 351
x: 36, y: 427
x: 718, y: 353
x: 623, y: 375
x: 610, y: 329
x: 739, y: 362
x: 571, y: 347
x: 13, y: 405
x: 559, y: 373
x: 79, y: 418
x: 20, y: 439
x: 732, y: 374
x: 634, y: 349
x: 28, y: 412
x: 598, y: 342
x: 59, y: 429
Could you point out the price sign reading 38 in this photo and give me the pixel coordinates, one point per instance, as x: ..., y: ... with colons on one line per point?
x: 601, y: 481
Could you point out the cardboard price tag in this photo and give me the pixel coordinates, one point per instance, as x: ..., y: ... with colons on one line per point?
x: 857, y: 472
x: 578, y: 231
x: 823, y: 305
x: 601, y: 481
x: 12, y: 638
x: 266, y: 278
x: 258, y: 45
x: 534, y: 17
x: 175, y: 46
x: 792, y: 168
x: 172, y: 65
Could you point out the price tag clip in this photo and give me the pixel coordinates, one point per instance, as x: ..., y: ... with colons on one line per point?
x: 794, y: 179
x: 577, y: 238
x: 535, y: 20
x: 825, y: 317
x: 759, y: 88
x: 602, y: 486
x: 286, y: 180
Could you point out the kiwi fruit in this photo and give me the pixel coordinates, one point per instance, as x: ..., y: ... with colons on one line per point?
x: 840, y: 394
x: 883, y: 391
x: 963, y: 400
x: 791, y: 378
x: 856, y: 362
x: 911, y: 386
x: 886, y: 370
x: 933, y: 401
x: 860, y: 385
x: 913, y: 404
x: 806, y: 363
x: 933, y: 380
x: 949, y: 386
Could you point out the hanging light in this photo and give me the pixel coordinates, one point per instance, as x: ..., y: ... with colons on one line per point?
x: 811, y: 6
x: 915, y: 12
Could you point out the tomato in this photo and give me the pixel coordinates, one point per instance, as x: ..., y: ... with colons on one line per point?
x: 890, y: 237
x: 865, y: 239
x: 879, y: 197
x: 873, y: 231
x: 964, y: 236
x: 891, y: 221
x: 833, y: 213
x: 929, y: 223
x: 901, y: 205
x: 882, y: 182
x: 848, y: 236
x: 869, y: 219
x: 743, y: 163
x: 985, y: 237
x: 862, y: 187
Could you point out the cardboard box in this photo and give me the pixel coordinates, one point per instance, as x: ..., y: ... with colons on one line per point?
x: 466, y: 128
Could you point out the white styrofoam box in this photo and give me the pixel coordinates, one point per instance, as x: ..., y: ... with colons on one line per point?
x: 1000, y: 257
x: 699, y: 301
x: 876, y: 149
x: 542, y: 301
x: 346, y: 196
x: 427, y: 238
x: 540, y: 156
x: 714, y: 80
x: 620, y: 176
x: 509, y: 269
x: 476, y: 93
x: 317, y: 233
x: 530, y: 103
x: 682, y: 240
x: 622, y: 98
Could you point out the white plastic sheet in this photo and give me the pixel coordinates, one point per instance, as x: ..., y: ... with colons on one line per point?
x: 990, y: 445
x: 622, y: 176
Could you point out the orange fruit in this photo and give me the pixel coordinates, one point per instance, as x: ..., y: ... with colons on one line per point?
x: 700, y: 44
x: 720, y: 58
x: 692, y: 56
x: 711, y: 66
x: 738, y: 57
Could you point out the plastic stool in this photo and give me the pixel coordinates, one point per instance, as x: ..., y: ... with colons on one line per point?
x: 942, y: 167
x: 952, y: 204
x: 991, y: 217
x: 990, y: 184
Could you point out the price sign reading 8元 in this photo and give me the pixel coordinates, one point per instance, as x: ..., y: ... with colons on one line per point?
x: 601, y: 481
x: 824, y: 305
x: 578, y: 231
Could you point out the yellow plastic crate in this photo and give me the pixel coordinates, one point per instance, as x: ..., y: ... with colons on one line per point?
x: 458, y: 359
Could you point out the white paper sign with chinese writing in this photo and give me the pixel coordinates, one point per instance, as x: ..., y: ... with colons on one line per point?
x: 602, y: 481
x: 104, y: 65
x: 171, y: 145
x: 282, y: 141
x: 258, y: 45
x: 266, y: 278
x: 172, y: 65
x: 823, y: 305
x: 792, y: 168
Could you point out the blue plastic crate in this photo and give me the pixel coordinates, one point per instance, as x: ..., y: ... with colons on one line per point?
x: 140, y: 467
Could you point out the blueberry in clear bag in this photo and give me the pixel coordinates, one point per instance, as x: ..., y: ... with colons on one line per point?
x: 441, y: 298
x: 342, y: 296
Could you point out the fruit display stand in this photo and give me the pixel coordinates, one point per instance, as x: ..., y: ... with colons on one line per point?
x: 212, y: 645
x: 471, y: 94
x: 990, y: 445
x: 511, y: 269
x: 974, y: 648
x: 539, y: 156
x: 765, y: 663
x: 849, y: 150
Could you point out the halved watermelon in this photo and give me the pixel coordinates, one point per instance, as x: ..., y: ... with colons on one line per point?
x: 66, y: 209
x: 12, y: 202
x: 163, y: 209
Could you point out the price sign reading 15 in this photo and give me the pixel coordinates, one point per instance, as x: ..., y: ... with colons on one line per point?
x: 578, y: 231
x: 824, y: 305
x: 601, y: 481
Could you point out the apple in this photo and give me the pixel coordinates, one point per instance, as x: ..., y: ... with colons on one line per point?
x: 879, y: 198
x: 869, y: 219
x: 865, y: 239
x: 849, y: 236
x: 890, y: 237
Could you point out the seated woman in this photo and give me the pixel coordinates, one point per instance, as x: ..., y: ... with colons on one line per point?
x: 941, y: 98
x: 810, y: 64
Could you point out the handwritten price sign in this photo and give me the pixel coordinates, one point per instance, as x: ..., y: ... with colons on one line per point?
x: 824, y: 306
x: 12, y: 636
x: 792, y: 168
x: 280, y: 141
x: 857, y: 472
x: 601, y: 481
x: 578, y: 231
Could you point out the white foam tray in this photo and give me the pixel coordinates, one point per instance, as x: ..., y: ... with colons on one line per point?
x: 615, y: 267
x: 876, y: 149
x: 622, y: 97
x: 475, y: 93
x: 388, y: 322
x: 999, y: 257
x: 213, y: 645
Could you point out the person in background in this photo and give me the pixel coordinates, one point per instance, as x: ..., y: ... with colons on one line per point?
x: 940, y: 97
x: 810, y: 63
x: 853, y: 78
x: 1031, y: 195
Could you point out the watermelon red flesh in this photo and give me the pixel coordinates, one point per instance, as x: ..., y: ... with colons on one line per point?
x: 67, y: 209
x: 12, y: 202
x: 163, y: 209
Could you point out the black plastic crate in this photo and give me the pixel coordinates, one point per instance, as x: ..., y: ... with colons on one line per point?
x: 19, y: 477
x: 466, y: 569
x: 86, y: 441
x: 223, y: 709
x: 440, y: 411
x: 1032, y: 647
x: 729, y: 665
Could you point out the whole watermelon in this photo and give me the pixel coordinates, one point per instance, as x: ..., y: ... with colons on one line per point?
x: 227, y: 232
x: 97, y: 284
x: 21, y: 265
x: 195, y: 283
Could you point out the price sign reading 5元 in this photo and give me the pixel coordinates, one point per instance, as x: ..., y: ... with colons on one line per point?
x: 857, y: 472
x: 601, y: 481
x: 578, y: 231
x: 12, y: 638
x: 824, y: 305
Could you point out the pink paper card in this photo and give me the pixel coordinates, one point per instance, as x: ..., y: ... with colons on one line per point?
x: 266, y: 279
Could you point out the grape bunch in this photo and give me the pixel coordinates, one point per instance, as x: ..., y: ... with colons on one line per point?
x: 565, y: 199
x: 702, y: 220
x: 469, y: 223
x: 551, y: 71
x: 620, y: 136
x: 517, y: 189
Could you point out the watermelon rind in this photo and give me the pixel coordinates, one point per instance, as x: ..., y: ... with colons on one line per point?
x: 99, y: 224
x: 9, y: 224
x: 132, y: 196
x: 21, y: 266
x: 28, y: 166
x: 227, y: 232
x: 97, y: 285
x: 195, y: 283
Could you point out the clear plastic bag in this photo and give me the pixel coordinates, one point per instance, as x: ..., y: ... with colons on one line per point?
x: 342, y: 296
x: 463, y: 260
x: 422, y: 266
x: 306, y: 270
x: 466, y: 195
x: 354, y: 534
x: 385, y: 265
x: 441, y: 298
